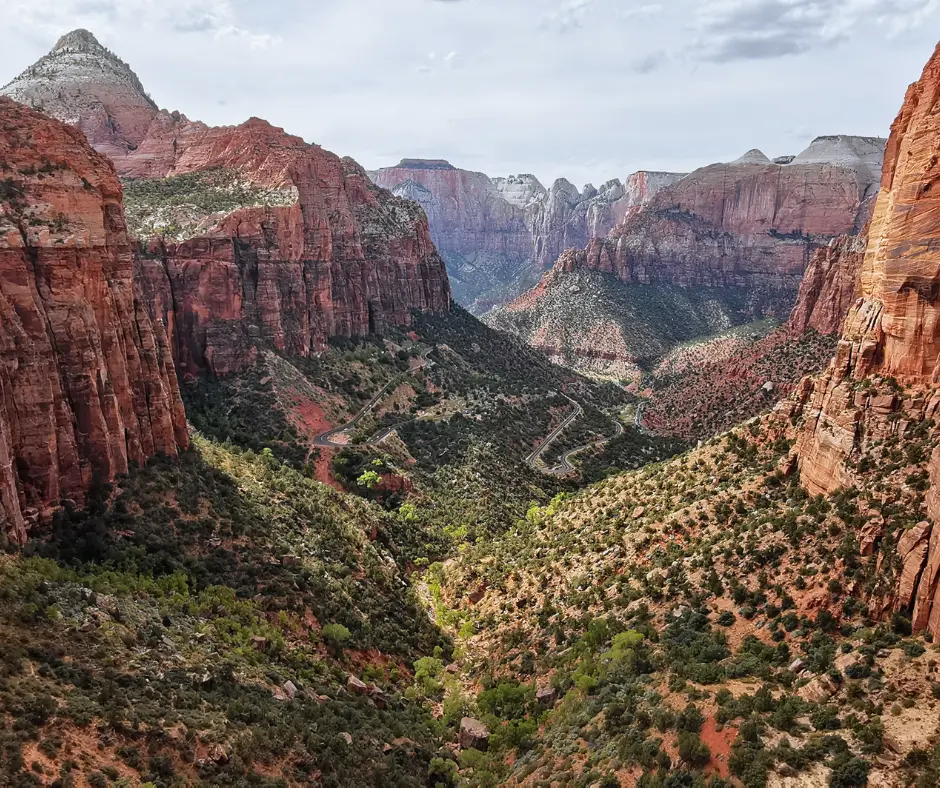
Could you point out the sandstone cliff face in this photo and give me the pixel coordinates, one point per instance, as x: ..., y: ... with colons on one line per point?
x: 890, y: 335
x: 482, y: 236
x: 829, y: 285
x: 325, y: 253
x: 892, y: 329
x: 87, y: 385
x: 498, y: 234
x: 348, y: 259
x: 748, y: 223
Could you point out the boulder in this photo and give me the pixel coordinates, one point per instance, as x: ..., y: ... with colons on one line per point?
x: 818, y: 690
x: 473, y: 734
x: 547, y: 696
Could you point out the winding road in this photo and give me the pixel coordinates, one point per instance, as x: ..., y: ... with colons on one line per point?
x: 564, y: 466
x: 325, y: 440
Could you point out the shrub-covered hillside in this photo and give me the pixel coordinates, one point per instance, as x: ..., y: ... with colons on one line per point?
x: 703, y: 621
x: 225, y: 621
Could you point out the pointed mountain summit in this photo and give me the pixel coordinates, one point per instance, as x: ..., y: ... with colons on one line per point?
x: 80, y: 40
x: 86, y: 85
x: 753, y: 156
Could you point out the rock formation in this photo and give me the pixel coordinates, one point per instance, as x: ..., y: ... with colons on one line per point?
x: 884, y: 376
x: 482, y: 236
x: 749, y: 223
x: 81, y: 83
x: 87, y: 386
x: 829, y: 284
x: 303, y: 247
x: 742, y: 233
x: 497, y: 235
x: 345, y: 258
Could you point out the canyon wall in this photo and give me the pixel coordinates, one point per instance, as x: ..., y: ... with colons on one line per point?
x: 884, y: 377
x: 829, y: 286
x: 498, y: 235
x: 87, y: 386
x: 260, y: 236
x: 483, y: 237
x: 750, y: 223
x: 345, y: 259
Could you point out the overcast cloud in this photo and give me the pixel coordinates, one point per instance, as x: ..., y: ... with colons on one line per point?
x: 586, y: 89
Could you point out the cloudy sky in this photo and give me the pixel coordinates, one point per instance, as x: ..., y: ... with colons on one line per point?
x: 586, y: 89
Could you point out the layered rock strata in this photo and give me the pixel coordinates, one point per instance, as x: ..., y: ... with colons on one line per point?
x: 87, y: 386
x: 497, y: 235
x: 303, y: 248
x: 884, y: 377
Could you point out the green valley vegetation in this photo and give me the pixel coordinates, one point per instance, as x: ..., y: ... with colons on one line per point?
x: 183, y: 206
x: 454, y: 617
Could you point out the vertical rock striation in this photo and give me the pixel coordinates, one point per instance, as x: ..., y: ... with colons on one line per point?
x: 498, y: 235
x: 346, y: 259
x: 829, y: 284
x: 892, y: 332
x: 87, y: 386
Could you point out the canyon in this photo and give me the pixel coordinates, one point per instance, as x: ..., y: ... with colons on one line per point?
x: 222, y: 597
x: 733, y: 238
x: 322, y: 254
x: 498, y: 235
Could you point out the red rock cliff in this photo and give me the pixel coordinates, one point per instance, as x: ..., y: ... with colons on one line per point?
x: 87, y: 386
x: 749, y: 223
x: 891, y: 332
x: 346, y: 259
x: 829, y: 286
x: 336, y: 256
x: 893, y: 328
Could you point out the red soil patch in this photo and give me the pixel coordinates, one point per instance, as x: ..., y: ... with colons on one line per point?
x: 719, y: 742
x: 311, y: 419
x: 322, y: 468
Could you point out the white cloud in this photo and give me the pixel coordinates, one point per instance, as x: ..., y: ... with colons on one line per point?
x: 585, y: 89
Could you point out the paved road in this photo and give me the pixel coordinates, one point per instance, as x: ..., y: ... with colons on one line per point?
x: 533, y: 458
x: 564, y: 463
x: 326, y: 440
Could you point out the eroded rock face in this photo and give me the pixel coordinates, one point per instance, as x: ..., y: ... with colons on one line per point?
x: 87, y: 386
x: 347, y: 259
x: 483, y: 236
x: 334, y: 256
x: 748, y: 223
x: 891, y: 332
x: 497, y: 235
x: 893, y: 329
x: 829, y: 285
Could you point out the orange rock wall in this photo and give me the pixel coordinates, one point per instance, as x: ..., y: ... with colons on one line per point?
x: 87, y: 386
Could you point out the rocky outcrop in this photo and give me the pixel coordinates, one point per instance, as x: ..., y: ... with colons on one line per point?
x: 498, y: 234
x: 892, y: 333
x: 87, y: 387
x: 348, y: 259
x: 85, y: 85
x: 742, y: 232
x: 292, y: 246
x: 827, y: 290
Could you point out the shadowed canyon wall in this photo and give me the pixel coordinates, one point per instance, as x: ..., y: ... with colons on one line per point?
x: 87, y: 385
